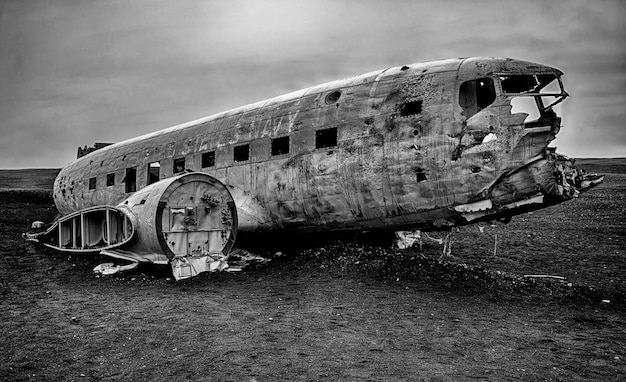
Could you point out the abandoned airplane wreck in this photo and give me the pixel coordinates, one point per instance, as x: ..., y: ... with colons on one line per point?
x: 425, y: 146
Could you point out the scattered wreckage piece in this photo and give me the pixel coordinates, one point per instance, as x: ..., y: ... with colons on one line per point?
x: 107, y: 269
x: 406, y: 239
x: 186, y: 267
x: 560, y: 278
x: 37, y: 224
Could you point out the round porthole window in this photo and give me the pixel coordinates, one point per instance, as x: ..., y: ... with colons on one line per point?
x: 332, y: 97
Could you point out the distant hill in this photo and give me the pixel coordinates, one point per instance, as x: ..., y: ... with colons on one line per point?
x: 602, y: 165
x: 43, y: 178
x: 28, y: 179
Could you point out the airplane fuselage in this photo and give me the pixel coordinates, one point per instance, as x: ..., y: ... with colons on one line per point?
x: 426, y: 145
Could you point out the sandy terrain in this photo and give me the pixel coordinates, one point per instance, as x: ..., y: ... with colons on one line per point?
x: 341, y: 312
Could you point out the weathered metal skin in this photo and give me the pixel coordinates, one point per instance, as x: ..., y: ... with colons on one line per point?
x: 411, y: 152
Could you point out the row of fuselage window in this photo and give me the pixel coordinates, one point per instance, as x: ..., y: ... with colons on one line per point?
x: 279, y: 146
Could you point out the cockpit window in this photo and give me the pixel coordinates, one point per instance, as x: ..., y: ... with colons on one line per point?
x: 525, y: 83
x: 534, y: 95
x: 476, y: 95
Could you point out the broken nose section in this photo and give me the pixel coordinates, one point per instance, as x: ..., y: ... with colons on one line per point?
x: 550, y: 175
x: 541, y: 181
x: 573, y: 180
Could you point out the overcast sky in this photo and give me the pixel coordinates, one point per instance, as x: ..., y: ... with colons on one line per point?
x: 75, y: 72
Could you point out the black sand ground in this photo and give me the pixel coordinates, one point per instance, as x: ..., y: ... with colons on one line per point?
x: 340, y: 312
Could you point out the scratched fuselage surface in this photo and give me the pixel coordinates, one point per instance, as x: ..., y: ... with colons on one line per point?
x: 407, y: 148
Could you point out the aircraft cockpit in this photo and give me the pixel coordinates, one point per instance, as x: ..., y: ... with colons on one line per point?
x: 534, y: 95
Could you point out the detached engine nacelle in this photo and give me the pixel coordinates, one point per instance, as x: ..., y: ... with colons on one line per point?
x: 187, y: 220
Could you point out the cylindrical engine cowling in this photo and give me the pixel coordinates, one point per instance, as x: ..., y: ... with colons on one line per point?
x: 189, y: 215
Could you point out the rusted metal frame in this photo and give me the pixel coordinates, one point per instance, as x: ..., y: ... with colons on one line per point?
x: 562, y: 94
x: 73, y: 232
x: 82, y: 231
x: 125, y: 229
x: 108, y: 226
x: 558, y: 101
x: 60, y: 234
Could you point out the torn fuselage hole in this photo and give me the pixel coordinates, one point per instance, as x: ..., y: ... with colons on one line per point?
x: 411, y: 108
x: 420, y: 174
x: 490, y: 137
x: 456, y: 154
x: 391, y: 123
x: 475, y: 169
x: 472, y: 138
x: 525, y: 105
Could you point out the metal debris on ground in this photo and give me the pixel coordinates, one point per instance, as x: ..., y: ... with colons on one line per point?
x: 406, y: 239
x: 546, y: 277
x: 240, y: 258
x: 37, y: 224
x: 188, y: 266
x: 110, y: 268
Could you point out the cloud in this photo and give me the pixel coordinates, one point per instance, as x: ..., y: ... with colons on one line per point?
x: 74, y: 72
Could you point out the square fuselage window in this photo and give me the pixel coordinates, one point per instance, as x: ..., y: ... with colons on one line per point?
x: 154, y: 172
x: 179, y: 165
x: 130, y: 180
x: 241, y: 153
x: 92, y: 183
x: 111, y: 179
x: 208, y: 159
x: 280, y: 146
x: 326, y: 138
